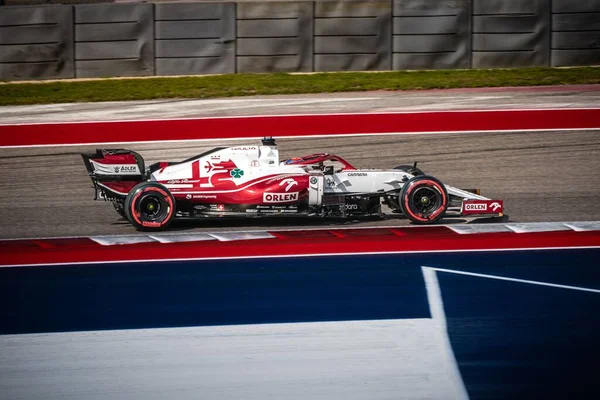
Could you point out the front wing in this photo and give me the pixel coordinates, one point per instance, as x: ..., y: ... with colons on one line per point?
x: 475, y: 205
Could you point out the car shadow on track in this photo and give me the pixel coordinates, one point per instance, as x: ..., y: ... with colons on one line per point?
x: 265, y: 222
x: 297, y: 222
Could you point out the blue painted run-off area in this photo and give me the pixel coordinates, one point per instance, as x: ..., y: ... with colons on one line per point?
x: 510, y: 339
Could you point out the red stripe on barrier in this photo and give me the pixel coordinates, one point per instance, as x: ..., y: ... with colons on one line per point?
x: 298, y: 243
x: 298, y: 125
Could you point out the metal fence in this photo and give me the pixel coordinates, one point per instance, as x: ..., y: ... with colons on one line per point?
x: 136, y: 39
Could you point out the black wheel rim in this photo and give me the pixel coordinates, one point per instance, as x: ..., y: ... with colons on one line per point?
x: 152, y: 207
x: 425, y: 200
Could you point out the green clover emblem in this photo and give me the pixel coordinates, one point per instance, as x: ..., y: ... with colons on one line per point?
x: 236, y: 173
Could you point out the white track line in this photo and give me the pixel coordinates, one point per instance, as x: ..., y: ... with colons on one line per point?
x: 503, y: 278
x: 436, y: 307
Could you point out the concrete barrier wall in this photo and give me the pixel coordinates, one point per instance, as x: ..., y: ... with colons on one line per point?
x: 36, y: 42
x: 114, y: 40
x: 275, y: 37
x: 194, y: 38
x: 432, y: 34
x: 575, y: 32
x: 140, y: 39
x: 352, y: 35
x: 511, y: 33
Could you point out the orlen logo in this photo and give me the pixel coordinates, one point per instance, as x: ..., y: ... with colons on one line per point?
x: 289, y: 182
x: 476, y: 207
x: 280, y: 197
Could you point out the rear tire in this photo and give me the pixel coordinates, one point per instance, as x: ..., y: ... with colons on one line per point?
x: 149, y: 206
x: 424, y: 200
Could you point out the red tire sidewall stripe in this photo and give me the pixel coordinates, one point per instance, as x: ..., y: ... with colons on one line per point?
x: 151, y: 189
x: 437, y: 212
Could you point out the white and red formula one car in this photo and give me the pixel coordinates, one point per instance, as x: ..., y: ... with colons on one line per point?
x: 251, y: 181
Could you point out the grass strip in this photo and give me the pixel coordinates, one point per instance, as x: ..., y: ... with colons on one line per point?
x: 211, y: 86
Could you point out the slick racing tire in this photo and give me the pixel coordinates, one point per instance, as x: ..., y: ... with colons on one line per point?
x: 410, y: 169
x: 149, y: 206
x: 424, y: 200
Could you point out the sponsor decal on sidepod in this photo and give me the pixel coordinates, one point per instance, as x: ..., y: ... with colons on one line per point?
x: 357, y: 174
x: 280, y: 197
x: 289, y: 182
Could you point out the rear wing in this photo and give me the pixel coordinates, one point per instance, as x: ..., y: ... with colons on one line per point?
x: 114, y: 165
x: 114, y: 172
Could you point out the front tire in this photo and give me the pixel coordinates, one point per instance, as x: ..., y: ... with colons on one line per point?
x: 424, y: 200
x: 149, y: 206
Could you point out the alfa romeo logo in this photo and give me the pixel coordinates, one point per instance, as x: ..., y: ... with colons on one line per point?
x: 236, y: 173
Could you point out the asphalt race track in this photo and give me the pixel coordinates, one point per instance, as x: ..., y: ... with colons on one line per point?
x: 542, y: 176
